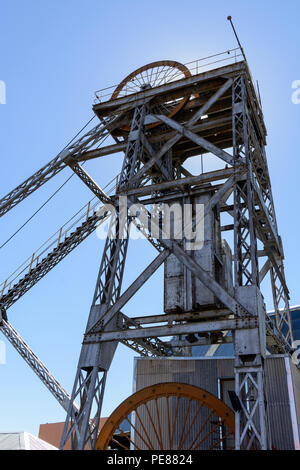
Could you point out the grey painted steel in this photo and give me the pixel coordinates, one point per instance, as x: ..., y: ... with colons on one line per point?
x: 249, y: 347
x: 197, y: 139
x: 216, y: 375
x: 250, y: 340
x: 172, y: 141
x: 220, y: 325
x: 36, y: 365
x: 184, y: 86
x: 153, y: 165
x: 95, y: 359
x: 91, y: 184
x: 83, y: 144
x: 135, y: 286
x: 53, y: 258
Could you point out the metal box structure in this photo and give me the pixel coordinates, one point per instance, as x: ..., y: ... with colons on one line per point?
x: 183, y: 291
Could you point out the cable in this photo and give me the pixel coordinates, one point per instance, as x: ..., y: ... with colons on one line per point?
x: 49, y: 199
x: 31, y: 217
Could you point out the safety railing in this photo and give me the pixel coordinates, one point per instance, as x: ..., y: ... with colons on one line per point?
x: 195, y: 67
x: 88, y: 210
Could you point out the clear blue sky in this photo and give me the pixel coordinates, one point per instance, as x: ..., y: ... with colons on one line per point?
x: 54, y: 55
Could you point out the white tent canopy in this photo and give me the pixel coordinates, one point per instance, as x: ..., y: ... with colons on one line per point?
x: 23, y: 441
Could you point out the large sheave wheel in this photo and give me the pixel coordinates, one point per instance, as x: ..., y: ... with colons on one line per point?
x: 169, y: 416
x: 154, y: 75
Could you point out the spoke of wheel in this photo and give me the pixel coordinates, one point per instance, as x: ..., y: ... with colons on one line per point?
x: 144, y: 77
x: 205, y: 437
x: 162, y: 79
x: 137, y: 79
x: 129, y: 438
x: 159, y: 77
x: 128, y: 87
x: 184, y: 423
x: 151, y: 76
x: 144, y: 429
x: 135, y: 84
x: 174, y: 421
x: 166, y: 72
x: 169, y: 421
x: 151, y: 420
x: 171, y: 74
x: 156, y: 76
x: 157, y: 71
x: 191, y: 425
x: 220, y: 440
x: 138, y: 433
x: 159, y: 426
x: 119, y: 444
x: 201, y: 429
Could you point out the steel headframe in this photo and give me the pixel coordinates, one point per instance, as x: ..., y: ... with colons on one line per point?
x: 223, y: 113
x: 253, y: 219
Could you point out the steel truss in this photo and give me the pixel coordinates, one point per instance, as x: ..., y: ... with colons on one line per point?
x: 228, y: 117
x: 35, y: 363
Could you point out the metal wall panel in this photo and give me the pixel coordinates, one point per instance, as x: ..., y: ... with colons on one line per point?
x: 216, y: 375
x: 294, y: 394
x: 278, y: 403
x: 151, y: 371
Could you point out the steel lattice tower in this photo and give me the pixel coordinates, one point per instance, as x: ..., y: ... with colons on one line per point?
x: 160, y: 116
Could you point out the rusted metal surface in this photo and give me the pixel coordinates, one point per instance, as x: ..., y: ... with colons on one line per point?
x: 176, y: 437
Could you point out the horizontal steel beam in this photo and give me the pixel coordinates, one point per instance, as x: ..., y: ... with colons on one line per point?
x: 182, y: 86
x: 174, y: 184
x: 208, y: 124
x: 182, y: 316
x: 202, y: 341
x: 172, y: 330
x: 145, y: 346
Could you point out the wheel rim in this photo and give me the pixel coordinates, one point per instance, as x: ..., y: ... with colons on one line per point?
x: 170, y: 416
x: 150, y: 76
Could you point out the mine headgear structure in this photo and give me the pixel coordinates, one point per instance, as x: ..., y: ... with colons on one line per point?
x: 160, y: 116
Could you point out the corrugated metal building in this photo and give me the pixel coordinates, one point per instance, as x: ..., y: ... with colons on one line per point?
x: 216, y: 375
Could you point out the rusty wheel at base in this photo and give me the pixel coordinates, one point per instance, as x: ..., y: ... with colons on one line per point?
x: 169, y: 416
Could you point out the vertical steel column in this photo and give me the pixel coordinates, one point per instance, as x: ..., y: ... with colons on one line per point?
x: 279, y: 289
x: 281, y: 303
x: 245, y: 246
x: 251, y: 429
x: 95, y: 359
